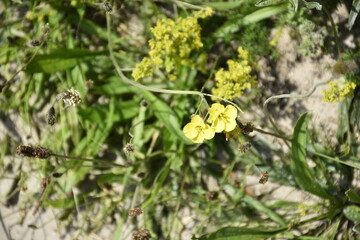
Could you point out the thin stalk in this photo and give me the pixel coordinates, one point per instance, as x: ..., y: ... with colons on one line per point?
x: 88, y: 160
x: 334, y: 29
x: 12, y: 79
x: 266, y: 111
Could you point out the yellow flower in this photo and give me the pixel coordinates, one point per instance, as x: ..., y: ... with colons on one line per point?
x: 197, y: 130
x: 222, y: 118
x: 338, y: 90
x: 173, y: 44
x: 231, y: 83
x: 143, y: 69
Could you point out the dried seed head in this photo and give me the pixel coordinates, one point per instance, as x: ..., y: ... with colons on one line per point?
x: 129, y: 148
x: 143, y: 234
x: 44, y: 183
x: 57, y: 175
x: 264, y: 177
x: 35, y: 43
x: 245, y: 128
x: 244, y: 147
x: 46, y: 29
x: 212, y: 195
x: 36, y: 152
x: 135, y: 212
x: 51, y: 117
x: 71, y: 97
x: 108, y: 7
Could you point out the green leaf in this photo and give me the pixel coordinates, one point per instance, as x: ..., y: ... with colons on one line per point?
x: 295, y: 4
x: 265, y: 3
x: 61, y: 203
x: 354, y: 12
x: 224, y: 5
x: 110, y: 178
x: 264, y: 13
x: 262, y: 208
x: 60, y: 59
x: 311, y: 5
x: 299, y: 166
x: 352, y: 213
x: 165, y: 114
x: 353, y: 196
x: 98, y: 114
x: 241, y: 233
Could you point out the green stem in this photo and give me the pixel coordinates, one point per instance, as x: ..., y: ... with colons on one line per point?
x: 266, y: 111
x: 88, y: 160
x: 334, y: 29
x: 354, y: 165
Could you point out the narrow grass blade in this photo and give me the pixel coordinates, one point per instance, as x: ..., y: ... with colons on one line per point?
x: 165, y: 114
x: 241, y: 233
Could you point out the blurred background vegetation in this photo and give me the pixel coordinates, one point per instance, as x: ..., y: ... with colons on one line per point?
x: 184, y: 190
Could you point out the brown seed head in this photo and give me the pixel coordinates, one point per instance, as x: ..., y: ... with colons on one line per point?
x: 245, y: 128
x: 143, y: 234
x: 51, y: 117
x: 135, y: 212
x: 35, y: 152
x: 212, y: 195
x: 264, y: 177
x: 44, y: 183
x: 129, y: 148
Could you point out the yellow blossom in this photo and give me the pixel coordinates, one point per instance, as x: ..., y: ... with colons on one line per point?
x: 197, y: 130
x: 222, y: 118
x: 143, y: 69
x: 338, y: 90
x: 173, y: 43
x: 232, y: 83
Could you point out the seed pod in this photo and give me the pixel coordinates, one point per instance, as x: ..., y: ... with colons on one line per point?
x: 212, y: 195
x: 36, y: 152
x: 129, y: 148
x: 264, y: 177
x: 143, y: 234
x: 244, y: 147
x: 135, y: 212
x: 35, y: 43
x: 44, y: 183
x: 51, y: 117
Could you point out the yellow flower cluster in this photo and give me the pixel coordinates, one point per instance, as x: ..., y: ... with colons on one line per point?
x: 338, y: 90
x: 172, y: 44
x: 221, y: 118
x: 232, y: 83
x: 42, y: 11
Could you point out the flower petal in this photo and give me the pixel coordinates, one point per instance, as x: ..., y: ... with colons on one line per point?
x: 218, y: 125
x: 230, y: 112
x: 190, y: 130
x: 208, y: 132
x: 198, y: 121
x: 229, y: 126
x: 198, y: 139
x: 215, y: 110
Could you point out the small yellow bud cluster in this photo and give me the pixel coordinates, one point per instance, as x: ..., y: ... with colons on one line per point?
x: 338, y: 90
x: 171, y: 45
x: 42, y: 11
x: 232, y: 83
x: 221, y: 118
